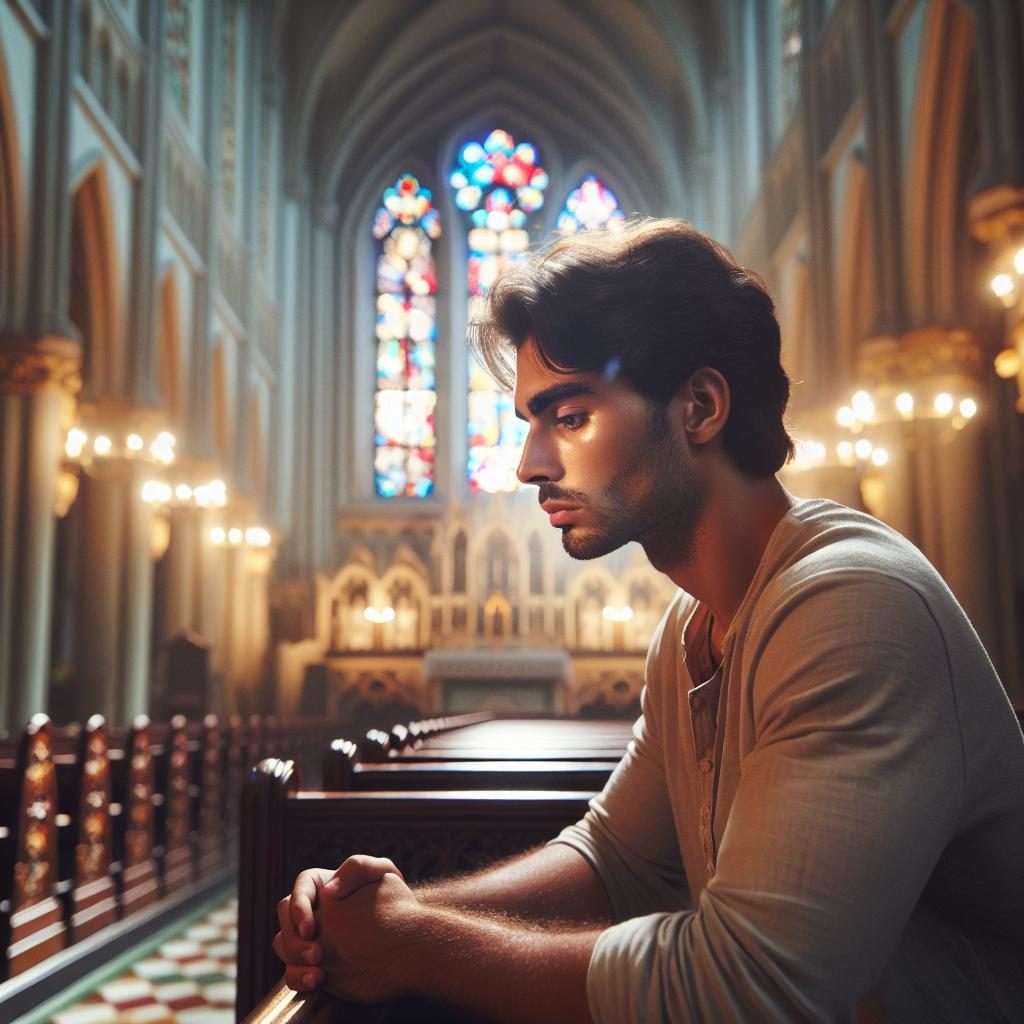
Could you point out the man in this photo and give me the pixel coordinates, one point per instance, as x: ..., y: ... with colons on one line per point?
x: 821, y: 815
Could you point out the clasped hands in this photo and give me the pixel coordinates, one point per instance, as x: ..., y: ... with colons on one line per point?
x: 344, y: 930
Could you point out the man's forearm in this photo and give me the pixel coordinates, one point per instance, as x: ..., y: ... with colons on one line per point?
x: 499, y: 972
x: 551, y: 883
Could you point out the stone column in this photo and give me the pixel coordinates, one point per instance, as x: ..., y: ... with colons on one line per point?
x: 37, y: 381
x: 234, y: 646
x: 102, y: 503
x: 941, y: 487
x: 137, y: 603
x: 883, y: 168
x: 179, y: 599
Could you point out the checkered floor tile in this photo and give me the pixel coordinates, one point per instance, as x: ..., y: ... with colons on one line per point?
x: 190, y: 979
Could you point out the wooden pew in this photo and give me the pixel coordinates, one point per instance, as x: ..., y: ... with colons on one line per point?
x: 427, y: 834
x: 31, y: 917
x: 174, y: 847
x: 209, y: 762
x: 343, y: 770
x: 500, y: 739
x: 133, y: 815
x: 85, y: 833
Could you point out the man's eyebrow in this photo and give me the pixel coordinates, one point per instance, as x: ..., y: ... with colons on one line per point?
x: 543, y: 399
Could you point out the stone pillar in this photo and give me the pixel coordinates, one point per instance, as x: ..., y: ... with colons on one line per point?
x: 37, y: 380
x: 883, y: 167
x: 940, y: 485
x: 235, y: 683
x: 179, y: 599
x: 102, y: 503
x: 137, y: 603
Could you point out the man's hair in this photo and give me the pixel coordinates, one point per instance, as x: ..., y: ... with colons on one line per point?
x: 652, y: 302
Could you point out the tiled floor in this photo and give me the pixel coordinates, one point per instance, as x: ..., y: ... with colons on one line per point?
x: 190, y: 979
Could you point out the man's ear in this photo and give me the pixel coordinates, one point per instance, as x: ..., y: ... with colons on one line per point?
x: 705, y: 402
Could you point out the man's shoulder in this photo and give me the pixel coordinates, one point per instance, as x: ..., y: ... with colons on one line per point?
x: 823, y: 536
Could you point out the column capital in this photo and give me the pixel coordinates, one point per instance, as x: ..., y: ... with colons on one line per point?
x: 36, y: 364
x: 922, y: 354
x: 997, y: 215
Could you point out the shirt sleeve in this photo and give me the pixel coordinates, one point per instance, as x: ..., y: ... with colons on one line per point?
x: 628, y: 834
x: 844, y: 805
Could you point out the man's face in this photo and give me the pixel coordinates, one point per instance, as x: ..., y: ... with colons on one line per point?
x: 608, y: 462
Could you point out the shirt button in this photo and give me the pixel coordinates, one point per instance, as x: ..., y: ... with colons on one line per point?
x: 705, y: 813
x: 704, y: 764
x: 696, y: 703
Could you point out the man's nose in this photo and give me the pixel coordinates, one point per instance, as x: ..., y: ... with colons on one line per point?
x: 538, y: 463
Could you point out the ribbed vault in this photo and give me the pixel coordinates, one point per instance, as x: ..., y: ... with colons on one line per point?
x: 622, y: 84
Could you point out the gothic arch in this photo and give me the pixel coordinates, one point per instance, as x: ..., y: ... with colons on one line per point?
x: 406, y: 591
x: 932, y: 186
x: 11, y: 202
x: 587, y: 594
x: 93, y: 295
x: 351, y: 592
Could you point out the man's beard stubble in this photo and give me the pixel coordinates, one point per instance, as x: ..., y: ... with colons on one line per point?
x: 659, y: 505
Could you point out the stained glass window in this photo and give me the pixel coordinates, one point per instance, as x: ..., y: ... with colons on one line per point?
x: 590, y: 205
x: 498, y: 183
x: 405, y: 227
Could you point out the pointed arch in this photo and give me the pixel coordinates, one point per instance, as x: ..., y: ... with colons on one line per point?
x: 585, y: 627
x: 92, y: 296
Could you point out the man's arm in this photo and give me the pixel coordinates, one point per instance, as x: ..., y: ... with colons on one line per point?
x: 382, y: 942
x: 549, y: 884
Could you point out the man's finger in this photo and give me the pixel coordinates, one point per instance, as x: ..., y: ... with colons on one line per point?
x: 304, y: 893
x: 303, y: 979
x: 357, y: 871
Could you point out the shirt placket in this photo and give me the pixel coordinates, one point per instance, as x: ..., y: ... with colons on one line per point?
x: 702, y: 723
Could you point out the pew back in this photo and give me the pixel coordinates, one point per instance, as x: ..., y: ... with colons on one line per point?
x: 427, y: 834
x: 31, y: 917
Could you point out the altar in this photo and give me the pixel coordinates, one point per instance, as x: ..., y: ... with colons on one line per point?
x: 510, y: 680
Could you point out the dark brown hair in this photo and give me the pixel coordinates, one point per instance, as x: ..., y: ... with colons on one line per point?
x: 652, y: 302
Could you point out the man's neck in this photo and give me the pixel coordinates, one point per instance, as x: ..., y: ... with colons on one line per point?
x: 737, y: 522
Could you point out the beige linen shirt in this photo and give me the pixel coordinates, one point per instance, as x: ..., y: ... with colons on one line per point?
x: 831, y: 826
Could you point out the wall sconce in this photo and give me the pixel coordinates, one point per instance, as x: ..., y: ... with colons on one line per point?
x: 865, y: 409
x: 237, y: 537
x: 379, y: 615
x: 92, y: 450
x: 1005, y: 284
x: 815, y: 454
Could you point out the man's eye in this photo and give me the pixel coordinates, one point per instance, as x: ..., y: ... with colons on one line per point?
x: 572, y: 420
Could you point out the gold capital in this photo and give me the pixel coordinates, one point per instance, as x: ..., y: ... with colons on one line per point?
x: 36, y: 364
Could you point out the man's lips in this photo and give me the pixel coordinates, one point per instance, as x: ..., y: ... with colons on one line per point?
x: 559, y: 514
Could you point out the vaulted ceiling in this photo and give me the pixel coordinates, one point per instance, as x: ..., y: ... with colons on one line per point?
x: 621, y: 83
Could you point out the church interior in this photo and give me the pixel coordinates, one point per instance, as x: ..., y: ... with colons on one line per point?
x: 249, y: 473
